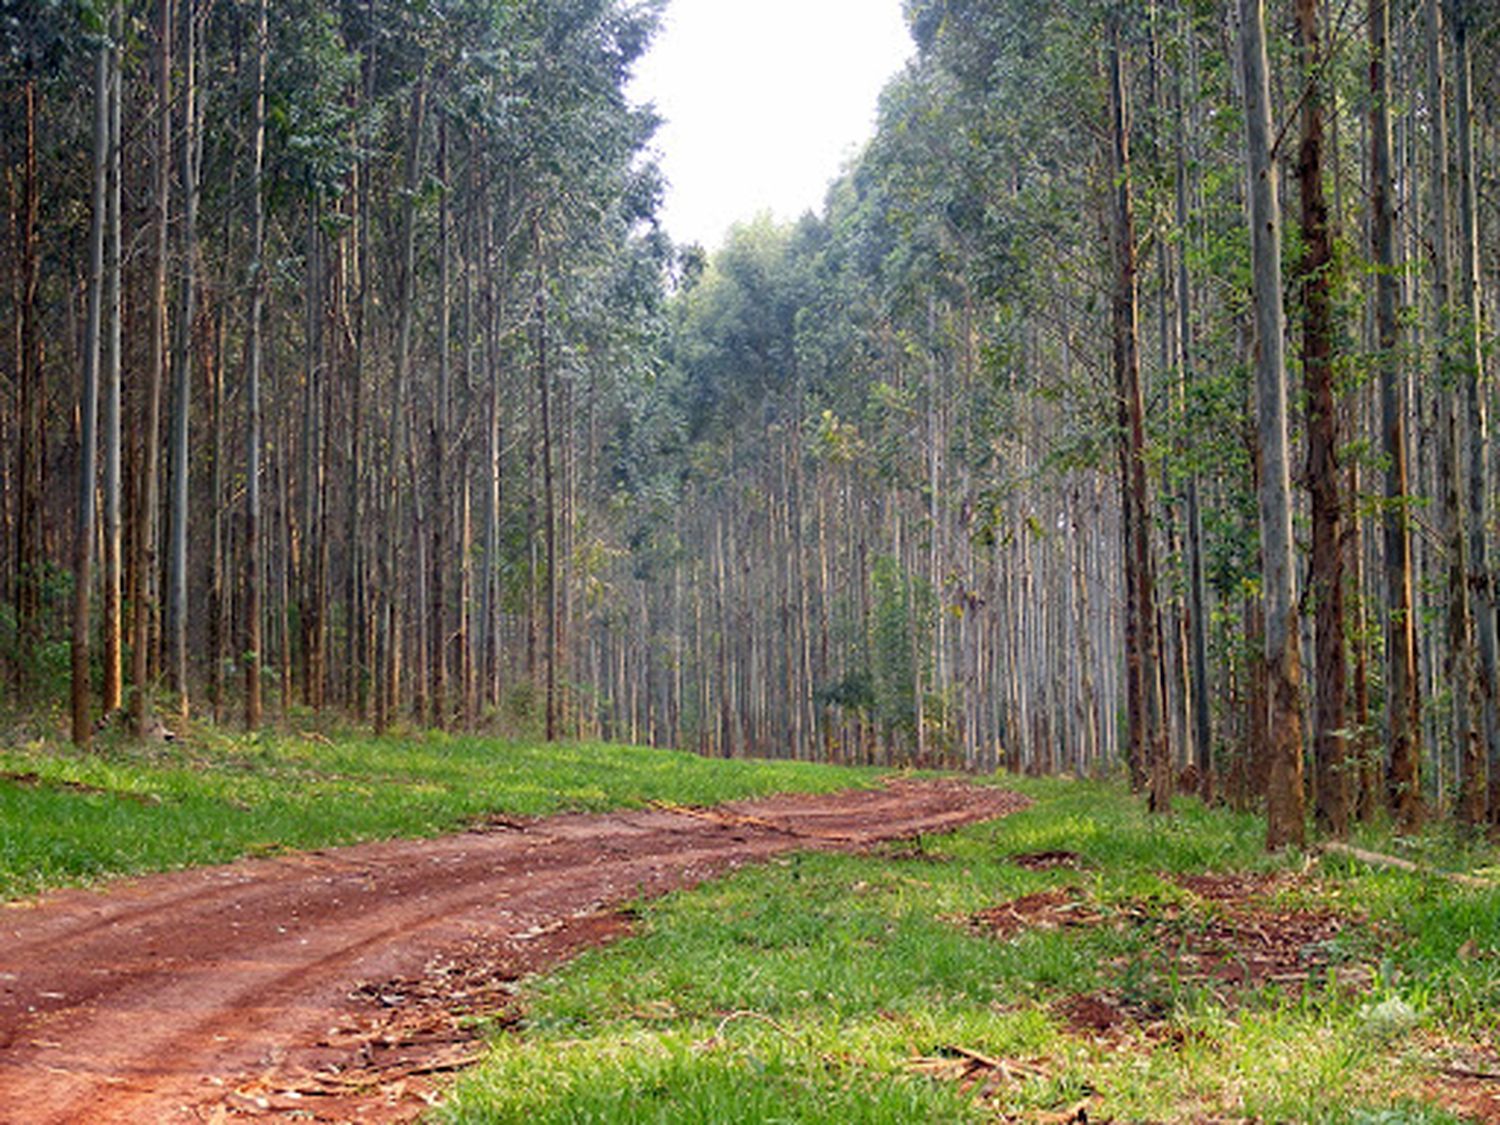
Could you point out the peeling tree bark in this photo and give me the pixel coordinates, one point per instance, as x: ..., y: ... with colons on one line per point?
x: 1327, y: 577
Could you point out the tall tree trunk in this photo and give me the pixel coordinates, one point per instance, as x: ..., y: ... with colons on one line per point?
x: 113, y: 686
x: 83, y: 536
x: 1202, y: 719
x: 31, y: 449
x: 177, y: 580
x: 1457, y: 664
x: 441, y: 502
x: 146, y: 500
x: 359, y: 637
x: 253, y: 357
x: 1471, y: 360
x: 1327, y: 574
x: 217, y: 599
x: 1284, y: 814
x: 400, y: 431
x: 549, y: 501
x: 1365, y: 781
x: 307, y: 579
x: 1404, y: 754
x: 489, y: 606
x: 287, y: 553
x: 1149, y: 745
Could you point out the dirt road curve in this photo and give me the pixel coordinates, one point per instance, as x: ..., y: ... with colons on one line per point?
x: 324, y: 986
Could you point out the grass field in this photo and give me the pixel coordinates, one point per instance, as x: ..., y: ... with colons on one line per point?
x: 1074, y: 961
x: 69, y: 818
x: 889, y: 988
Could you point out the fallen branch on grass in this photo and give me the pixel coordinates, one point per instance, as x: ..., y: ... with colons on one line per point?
x: 747, y: 1014
x: 1376, y: 859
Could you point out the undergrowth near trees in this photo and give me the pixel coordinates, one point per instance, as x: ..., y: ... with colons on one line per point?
x: 882, y: 987
x: 68, y: 817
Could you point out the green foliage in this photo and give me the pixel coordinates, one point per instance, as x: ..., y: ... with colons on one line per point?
x: 308, y: 115
x: 38, y: 38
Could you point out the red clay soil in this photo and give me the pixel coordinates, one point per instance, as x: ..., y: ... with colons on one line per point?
x: 330, y: 986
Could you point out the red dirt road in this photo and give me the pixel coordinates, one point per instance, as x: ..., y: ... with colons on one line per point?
x: 324, y: 986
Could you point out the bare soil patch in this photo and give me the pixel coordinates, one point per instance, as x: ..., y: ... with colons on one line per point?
x: 1042, y: 910
x: 1229, y: 938
x: 1092, y: 1015
x: 335, y: 985
x: 1048, y: 860
x: 1467, y: 1082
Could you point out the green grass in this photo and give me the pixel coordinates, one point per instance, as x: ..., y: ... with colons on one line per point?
x: 126, y: 809
x: 805, y: 990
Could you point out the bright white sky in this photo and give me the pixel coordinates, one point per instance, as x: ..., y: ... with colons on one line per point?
x: 765, y: 101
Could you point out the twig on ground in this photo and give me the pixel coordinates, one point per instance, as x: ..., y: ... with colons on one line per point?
x: 1376, y: 859
x: 747, y: 1014
x: 1470, y: 1072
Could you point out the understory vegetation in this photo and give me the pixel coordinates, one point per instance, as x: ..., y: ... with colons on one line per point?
x: 1073, y: 962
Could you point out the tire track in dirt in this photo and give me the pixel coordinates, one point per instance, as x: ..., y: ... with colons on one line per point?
x: 247, y: 989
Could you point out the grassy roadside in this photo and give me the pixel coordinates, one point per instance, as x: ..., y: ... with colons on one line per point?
x: 68, y: 818
x: 889, y: 988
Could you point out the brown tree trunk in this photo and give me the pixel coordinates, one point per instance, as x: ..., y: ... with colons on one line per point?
x: 1404, y: 754
x: 83, y: 536
x: 441, y: 502
x: 253, y: 348
x: 1327, y: 573
x: 1148, y: 744
x: 1458, y: 656
x: 177, y: 571
x: 1284, y: 810
x: 31, y: 448
x: 1476, y: 795
x: 144, y: 563
x: 112, y: 689
x: 549, y: 501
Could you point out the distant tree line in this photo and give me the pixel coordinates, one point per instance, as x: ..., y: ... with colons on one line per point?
x: 1127, y: 401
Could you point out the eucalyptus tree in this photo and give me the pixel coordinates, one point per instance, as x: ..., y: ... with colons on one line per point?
x: 1184, y: 186
x: 1458, y: 668
x: 1472, y: 366
x: 37, y: 53
x: 1284, y: 816
x: 112, y: 689
x: 1404, y: 753
x: 88, y: 410
x: 1326, y: 580
x: 1148, y: 745
x: 1028, y: 189
x: 149, y: 446
x: 254, y: 358
x: 576, y: 136
x: 182, y: 359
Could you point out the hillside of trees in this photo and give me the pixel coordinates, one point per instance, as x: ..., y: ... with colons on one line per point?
x: 1126, y: 403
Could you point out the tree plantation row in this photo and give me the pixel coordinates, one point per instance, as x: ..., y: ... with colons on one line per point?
x: 1127, y: 401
